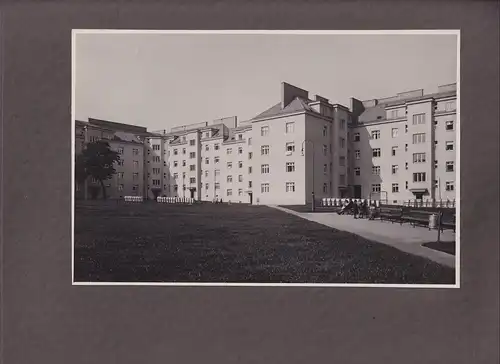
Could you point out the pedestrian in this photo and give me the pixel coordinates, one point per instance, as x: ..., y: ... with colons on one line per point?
x: 355, y: 209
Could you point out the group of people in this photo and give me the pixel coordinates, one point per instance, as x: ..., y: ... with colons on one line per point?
x: 359, y: 209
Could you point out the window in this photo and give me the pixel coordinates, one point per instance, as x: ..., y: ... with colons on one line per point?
x: 406, y: 147
x: 156, y: 170
x: 217, y: 172
x: 357, y: 137
x: 325, y: 149
x: 120, y: 187
x: 342, y: 142
x: 121, y: 162
x: 450, y: 166
x: 264, y: 131
x: 240, y: 136
x: 290, y: 127
x: 206, y: 184
x: 419, y: 177
x: 376, y: 170
x: 156, y: 158
x: 264, y: 150
x: 264, y: 187
x: 216, y: 146
x: 183, y: 163
x: 229, y: 151
x: 450, y: 186
x: 156, y: 146
x: 249, y: 184
x: 450, y: 125
x: 184, y: 138
x: 342, y: 161
x: 206, y: 173
x: 290, y: 147
x: 135, y: 176
x: 192, y: 167
x: 249, y: 170
x: 120, y: 175
x: 406, y: 185
x: 240, y: 164
x: 176, y: 188
x: 217, y: 185
x: 120, y: 150
x: 240, y: 150
x: 449, y: 106
x: 176, y: 175
x: 216, y: 160
x: 249, y: 141
x: 395, y: 187
x: 418, y: 157
x: 207, y: 147
x: 192, y: 142
x: 376, y: 152
x: 207, y: 160
x: 357, y: 171
x: 250, y: 154
x: 135, y: 151
x: 325, y: 168
x: 240, y: 178
x: 229, y: 165
x: 375, y: 134
x: 264, y: 168
x: 357, y: 154
x: 449, y: 145
x: 406, y: 165
x: 342, y: 124
x: 290, y: 186
x: 192, y: 180
x: 395, y: 132
x: 192, y: 155
x: 419, y: 138
x: 393, y: 151
x: 240, y: 192
x: 183, y: 150
x: 394, y: 114
x: 176, y: 152
x: 376, y: 187
x: 207, y: 135
x: 394, y: 169
x: 183, y: 174
x: 290, y: 166
x: 325, y: 130
x: 406, y: 128
x: 135, y: 164
x: 325, y: 188
x: 156, y: 182
x: 229, y: 179
x: 229, y: 192
x: 418, y: 119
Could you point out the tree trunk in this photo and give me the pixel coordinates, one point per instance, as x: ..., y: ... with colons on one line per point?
x: 104, y: 196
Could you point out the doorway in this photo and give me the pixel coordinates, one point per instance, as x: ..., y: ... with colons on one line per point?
x: 357, y: 191
x: 250, y: 195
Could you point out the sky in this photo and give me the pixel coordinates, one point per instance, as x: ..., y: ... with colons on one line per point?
x: 165, y: 80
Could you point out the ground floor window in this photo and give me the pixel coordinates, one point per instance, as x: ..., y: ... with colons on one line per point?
x: 290, y: 187
x: 395, y: 187
x: 450, y: 186
x: 376, y: 187
x: 264, y: 187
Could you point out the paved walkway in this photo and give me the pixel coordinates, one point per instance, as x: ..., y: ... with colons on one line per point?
x: 403, y: 237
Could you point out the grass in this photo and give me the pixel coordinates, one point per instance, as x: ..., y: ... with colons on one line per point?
x: 232, y: 243
x: 442, y: 246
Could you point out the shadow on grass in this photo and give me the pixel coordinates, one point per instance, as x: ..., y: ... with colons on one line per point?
x: 237, y: 243
x: 443, y: 246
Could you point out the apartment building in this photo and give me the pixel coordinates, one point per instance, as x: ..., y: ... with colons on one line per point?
x: 393, y: 149
x: 404, y: 147
x: 128, y: 142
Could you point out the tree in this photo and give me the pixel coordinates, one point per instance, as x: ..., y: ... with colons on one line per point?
x: 96, y: 160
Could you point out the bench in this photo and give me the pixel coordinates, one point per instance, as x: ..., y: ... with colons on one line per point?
x: 417, y: 217
x: 390, y: 213
x: 448, y: 221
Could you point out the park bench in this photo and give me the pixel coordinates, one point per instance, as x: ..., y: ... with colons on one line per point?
x: 417, y: 216
x: 390, y: 213
x: 448, y: 221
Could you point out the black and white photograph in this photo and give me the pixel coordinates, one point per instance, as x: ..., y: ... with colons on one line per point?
x: 281, y: 158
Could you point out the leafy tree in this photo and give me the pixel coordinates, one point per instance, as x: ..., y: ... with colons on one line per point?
x: 96, y: 160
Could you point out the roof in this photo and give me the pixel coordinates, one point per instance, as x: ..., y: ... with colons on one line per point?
x: 298, y: 104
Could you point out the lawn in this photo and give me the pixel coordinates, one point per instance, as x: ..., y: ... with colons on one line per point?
x: 232, y: 243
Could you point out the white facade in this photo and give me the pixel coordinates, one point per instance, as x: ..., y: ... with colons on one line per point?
x: 396, y: 149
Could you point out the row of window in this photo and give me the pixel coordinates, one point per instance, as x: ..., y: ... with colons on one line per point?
x: 450, y: 167
x: 417, y: 120
x: 449, y: 186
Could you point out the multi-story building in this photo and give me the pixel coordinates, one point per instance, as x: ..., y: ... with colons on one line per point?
x: 394, y: 149
x: 403, y: 147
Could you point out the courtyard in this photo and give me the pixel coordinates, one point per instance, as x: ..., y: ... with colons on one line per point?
x: 238, y: 243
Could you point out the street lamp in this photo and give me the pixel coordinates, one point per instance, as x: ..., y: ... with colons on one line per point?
x: 303, y: 153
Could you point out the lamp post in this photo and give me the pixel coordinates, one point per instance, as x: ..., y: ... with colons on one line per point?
x: 85, y: 141
x: 303, y: 153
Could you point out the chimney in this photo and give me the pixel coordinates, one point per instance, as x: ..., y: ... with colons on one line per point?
x: 290, y: 92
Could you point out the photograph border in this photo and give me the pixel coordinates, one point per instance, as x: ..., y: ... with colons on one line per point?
x: 429, y: 32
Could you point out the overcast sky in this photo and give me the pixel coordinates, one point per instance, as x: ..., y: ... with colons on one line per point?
x: 165, y: 80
